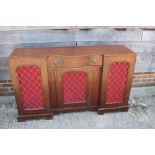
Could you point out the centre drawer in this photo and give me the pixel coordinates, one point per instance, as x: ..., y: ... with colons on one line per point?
x: 74, y: 61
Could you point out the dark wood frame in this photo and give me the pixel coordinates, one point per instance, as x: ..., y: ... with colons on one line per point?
x: 54, y: 62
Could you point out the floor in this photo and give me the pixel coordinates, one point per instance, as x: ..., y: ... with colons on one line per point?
x: 141, y: 115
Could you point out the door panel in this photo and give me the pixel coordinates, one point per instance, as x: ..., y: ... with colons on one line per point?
x: 29, y: 78
x: 117, y: 77
x: 116, y: 80
x: 30, y: 81
x: 74, y: 86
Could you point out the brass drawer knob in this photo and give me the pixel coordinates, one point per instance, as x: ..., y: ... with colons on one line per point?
x: 94, y: 61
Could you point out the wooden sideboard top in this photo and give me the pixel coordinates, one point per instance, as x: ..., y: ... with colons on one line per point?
x: 72, y: 51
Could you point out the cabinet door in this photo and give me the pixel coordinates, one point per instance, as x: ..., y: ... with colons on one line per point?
x: 30, y: 82
x: 116, y: 81
x: 77, y: 86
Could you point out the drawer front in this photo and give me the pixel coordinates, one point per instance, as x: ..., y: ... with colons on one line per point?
x: 74, y: 61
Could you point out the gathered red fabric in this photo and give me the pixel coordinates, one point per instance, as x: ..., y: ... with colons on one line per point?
x: 30, y: 86
x: 75, y: 86
x: 116, y: 82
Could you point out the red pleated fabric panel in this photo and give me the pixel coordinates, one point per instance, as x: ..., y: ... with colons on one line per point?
x: 75, y: 86
x: 116, y: 82
x: 30, y: 86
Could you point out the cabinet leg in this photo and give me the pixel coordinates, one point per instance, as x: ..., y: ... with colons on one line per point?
x: 100, y: 112
x: 125, y: 109
x: 20, y: 119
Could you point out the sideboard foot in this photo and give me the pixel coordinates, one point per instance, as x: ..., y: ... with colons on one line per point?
x: 101, y: 111
x: 22, y: 118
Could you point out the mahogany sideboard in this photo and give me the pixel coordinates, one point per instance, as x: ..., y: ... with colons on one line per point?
x: 48, y: 81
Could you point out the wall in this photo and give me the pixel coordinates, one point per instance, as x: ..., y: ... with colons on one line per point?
x: 139, y: 39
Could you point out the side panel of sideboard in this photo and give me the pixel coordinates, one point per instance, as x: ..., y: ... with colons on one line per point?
x: 30, y: 82
x: 116, y: 82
